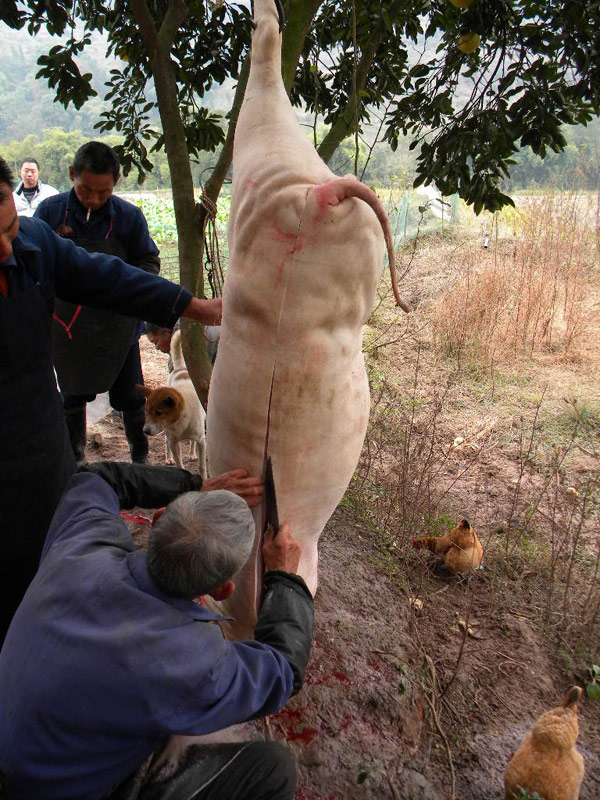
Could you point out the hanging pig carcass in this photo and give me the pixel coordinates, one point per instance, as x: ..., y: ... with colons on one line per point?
x: 306, y: 253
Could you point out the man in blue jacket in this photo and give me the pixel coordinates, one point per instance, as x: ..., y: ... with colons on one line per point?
x: 36, y: 459
x: 108, y: 662
x: 97, y: 351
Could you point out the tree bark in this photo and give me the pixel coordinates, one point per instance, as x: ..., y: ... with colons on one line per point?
x: 189, y: 232
x: 346, y: 121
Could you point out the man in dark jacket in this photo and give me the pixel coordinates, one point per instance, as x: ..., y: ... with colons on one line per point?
x: 36, y: 459
x: 109, y: 664
x: 98, y: 351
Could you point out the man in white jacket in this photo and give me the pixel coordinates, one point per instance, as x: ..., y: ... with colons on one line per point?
x: 31, y: 191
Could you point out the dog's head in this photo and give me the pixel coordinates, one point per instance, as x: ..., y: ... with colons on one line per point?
x: 163, y: 408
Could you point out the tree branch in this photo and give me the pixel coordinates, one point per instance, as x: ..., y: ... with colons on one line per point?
x: 214, y: 183
x: 299, y: 20
x: 177, y: 11
x: 141, y: 12
x: 345, y: 121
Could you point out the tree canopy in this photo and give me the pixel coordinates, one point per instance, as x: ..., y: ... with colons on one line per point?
x: 535, y: 68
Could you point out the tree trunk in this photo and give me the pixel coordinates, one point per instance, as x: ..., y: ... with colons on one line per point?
x: 299, y: 18
x: 346, y: 121
x: 189, y: 232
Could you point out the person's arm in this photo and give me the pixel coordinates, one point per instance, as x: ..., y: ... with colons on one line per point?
x: 208, y: 312
x: 142, y: 251
x: 152, y: 486
x: 143, y: 484
x: 286, y: 617
x: 242, y: 680
x: 148, y: 263
x: 107, y: 282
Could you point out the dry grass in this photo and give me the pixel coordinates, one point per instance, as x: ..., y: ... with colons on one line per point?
x: 484, y: 406
x: 535, y: 291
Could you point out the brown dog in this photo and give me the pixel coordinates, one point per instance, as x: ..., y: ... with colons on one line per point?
x: 176, y: 410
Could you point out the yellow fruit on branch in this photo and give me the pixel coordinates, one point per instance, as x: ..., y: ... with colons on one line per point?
x: 468, y: 42
x: 462, y: 3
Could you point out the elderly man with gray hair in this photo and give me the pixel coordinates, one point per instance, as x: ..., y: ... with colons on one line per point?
x: 111, y: 671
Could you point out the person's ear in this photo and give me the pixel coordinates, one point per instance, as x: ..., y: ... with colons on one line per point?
x: 117, y: 179
x: 71, y: 173
x: 223, y: 592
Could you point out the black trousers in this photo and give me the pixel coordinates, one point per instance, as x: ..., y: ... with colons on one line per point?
x: 15, y: 576
x: 31, y: 485
x: 239, y: 771
x: 122, y: 395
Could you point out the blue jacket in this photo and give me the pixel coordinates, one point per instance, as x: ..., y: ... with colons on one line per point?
x: 92, y: 279
x: 100, y: 666
x: 117, y: 218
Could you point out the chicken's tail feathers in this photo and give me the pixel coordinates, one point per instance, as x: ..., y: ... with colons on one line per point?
x: 572, y: 696
x: 425, y: 541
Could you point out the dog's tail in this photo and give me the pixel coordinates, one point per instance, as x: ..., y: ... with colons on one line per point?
x: 177, y: 352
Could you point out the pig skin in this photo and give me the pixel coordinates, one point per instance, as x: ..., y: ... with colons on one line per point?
x: 305, y: 258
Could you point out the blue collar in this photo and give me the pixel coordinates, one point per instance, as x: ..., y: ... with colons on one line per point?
x: 138, y: 568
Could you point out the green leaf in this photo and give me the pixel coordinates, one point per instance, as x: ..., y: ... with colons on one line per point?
x: 593, y: 691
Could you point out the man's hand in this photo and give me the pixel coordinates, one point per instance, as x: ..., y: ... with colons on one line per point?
x: 280, y: 550
x: 208, y: 312
x: 238, y: 482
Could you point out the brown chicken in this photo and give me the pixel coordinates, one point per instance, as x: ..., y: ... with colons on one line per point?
x: 460, y: 548
x: 547, y: 761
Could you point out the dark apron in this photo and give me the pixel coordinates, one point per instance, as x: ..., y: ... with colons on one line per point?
x: 90, y: 345
x: 36, y: 459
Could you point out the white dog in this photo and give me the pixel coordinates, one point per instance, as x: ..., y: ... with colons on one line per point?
x: 176, y: 410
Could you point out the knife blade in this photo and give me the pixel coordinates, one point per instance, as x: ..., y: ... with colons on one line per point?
x: 272, y: 515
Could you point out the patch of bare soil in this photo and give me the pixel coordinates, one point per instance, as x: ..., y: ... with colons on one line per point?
x: 370, y: 723
x: 402, y: 700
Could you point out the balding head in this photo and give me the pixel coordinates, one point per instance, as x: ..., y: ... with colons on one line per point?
x: 199, y: 543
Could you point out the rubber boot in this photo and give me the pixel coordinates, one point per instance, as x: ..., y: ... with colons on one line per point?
x: 133, y: 422
x: 76, y: 424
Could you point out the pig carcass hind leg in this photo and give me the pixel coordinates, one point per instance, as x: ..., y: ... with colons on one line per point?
x: 280, y: 14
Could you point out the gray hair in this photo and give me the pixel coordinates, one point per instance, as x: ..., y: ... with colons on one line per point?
x: 200, y: 542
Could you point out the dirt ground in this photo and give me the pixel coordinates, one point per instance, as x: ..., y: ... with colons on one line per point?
x: 400, y: 702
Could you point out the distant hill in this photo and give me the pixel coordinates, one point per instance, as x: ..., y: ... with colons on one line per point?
x: 27, y: 104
